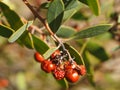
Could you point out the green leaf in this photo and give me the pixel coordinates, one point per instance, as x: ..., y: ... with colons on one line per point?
x: 65, y: 32
x: 71, y: 7
x: 27, y: 40
x: 55, y: 14
x: 118, y: 19
x: 39, y: 45
x: 79, y: 16
x: 89, y: 68
x: 97, y: 50
x: 44, y: 5
x: 84, y: 1
x: 19, y: 32
x: 92, y: 31
x: 63, y: 83
x: 74, y: 53
x: 48, y: 53
x: 12, y: 18
x: 5, y: 31
x: 94, y: 6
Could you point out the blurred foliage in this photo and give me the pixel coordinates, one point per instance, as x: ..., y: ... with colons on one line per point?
x: 17, y: 63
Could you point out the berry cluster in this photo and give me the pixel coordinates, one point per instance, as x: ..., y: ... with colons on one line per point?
x: 61, y: 67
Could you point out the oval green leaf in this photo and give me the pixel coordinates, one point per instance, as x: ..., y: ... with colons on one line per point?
x: 65, y: 32
x: 94, y: 6
x: 39, y: 45
x: 89, y: 68
x: 5, y: 31
x: 92, y: 31
x: 97, y: 50
x: 19, y: 32
x: 12, y: 17
x: 55, y: 14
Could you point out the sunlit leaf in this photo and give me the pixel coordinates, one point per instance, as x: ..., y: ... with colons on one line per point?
x: 19, y: 32
x: 92, y: 31
x: 94, y: 6
x: 55, y: 14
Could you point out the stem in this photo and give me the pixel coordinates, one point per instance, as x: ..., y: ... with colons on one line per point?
x: 45, y: 23
x: 38, y: 16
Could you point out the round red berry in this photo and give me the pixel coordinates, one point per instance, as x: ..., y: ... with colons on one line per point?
x: 59, y: 73
x: 47, y: 66
x: 72, y: 75
x: 38, y: 57
x: 69, y: 65
x: 57, y: 52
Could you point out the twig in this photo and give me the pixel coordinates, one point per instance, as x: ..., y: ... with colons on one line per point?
x: 45, y: 23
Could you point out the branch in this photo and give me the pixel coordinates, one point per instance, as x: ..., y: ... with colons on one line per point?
x: 39, y: 17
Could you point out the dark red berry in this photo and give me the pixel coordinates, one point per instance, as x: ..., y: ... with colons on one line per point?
x: 38, y: 57
x: 57, y: 52
x: 47, y: 66
x: 82, y: 70
x: 72, y: 75
x: 59, y: 73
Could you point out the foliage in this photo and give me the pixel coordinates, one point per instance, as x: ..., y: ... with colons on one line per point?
x: 58, y: 11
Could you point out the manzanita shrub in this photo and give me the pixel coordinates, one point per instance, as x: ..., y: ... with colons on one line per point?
x: 57, y: 56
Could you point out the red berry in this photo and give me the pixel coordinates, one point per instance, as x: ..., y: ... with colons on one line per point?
x: 69, y: 65
x: 82, y: 70
x: 47, y: 66
x: 38, y: 57
x: 59, y: 73
x: 57, y: 52
x: 72, y: 75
